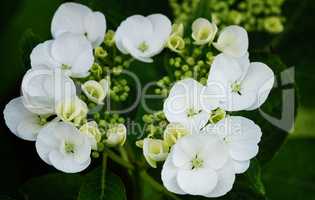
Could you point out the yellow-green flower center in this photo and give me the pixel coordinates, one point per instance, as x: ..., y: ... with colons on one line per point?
x: 143, y: 47
x: 192, y: 112
x: 197, y: 163
x: 69, y: 147
x: 236, y: 87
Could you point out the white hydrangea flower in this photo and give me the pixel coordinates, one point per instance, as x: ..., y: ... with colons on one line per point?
x: 61, y: 145
x: 23, y: 123
x: 241, y: 137
x: 70, y: 52
x: 190, y: 104
x: 116, y: 135
x: 143, y: 37
x: 154, y: 150
x: 43, y: 88
x: 91, y: 130
x: 245, y: 85
x: 96, y: 91
x: 233, y: 41
x: 203, y: 31
x: 79, y: 19
x: 199, y: 164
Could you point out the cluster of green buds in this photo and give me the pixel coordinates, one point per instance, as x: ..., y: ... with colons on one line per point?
x: 107, y: 72
x: 107, y: 129
x: 254, y: 15
x: 154, y: 124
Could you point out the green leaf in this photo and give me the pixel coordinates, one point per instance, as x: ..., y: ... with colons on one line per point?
x: 91, y: 188
x: 52, y: 186
x: 291, y: 174
x: 2, y: 197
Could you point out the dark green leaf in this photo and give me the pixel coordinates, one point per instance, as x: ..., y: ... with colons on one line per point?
x: 52, y: 186
x: 291, y: 174
x: 92, y: 189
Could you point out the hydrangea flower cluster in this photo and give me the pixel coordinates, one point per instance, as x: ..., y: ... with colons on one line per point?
x: 202, y: 146
x: 69, y: 76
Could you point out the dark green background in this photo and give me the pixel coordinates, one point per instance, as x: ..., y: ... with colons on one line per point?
x: 290, y: 175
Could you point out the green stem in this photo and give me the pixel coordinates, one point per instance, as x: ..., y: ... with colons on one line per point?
x: 156, y: 185
x: 103, y: 181
x: 112, y: 155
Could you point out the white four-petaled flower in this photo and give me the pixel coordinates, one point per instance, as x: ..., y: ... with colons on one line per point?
x: 199, y: 164
x: 143, y: 37
x: 79, y: 19
x: 243, y: 85
x: 190, y: 104
x: 61, y: 145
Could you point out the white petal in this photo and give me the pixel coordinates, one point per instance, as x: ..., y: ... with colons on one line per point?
x: 243, y: 137
x: 259, y: 80
x: 241, y: 166
x: 233, y: 41
x: 195, y: 123
x: 214, y: 153
x: 41, y: 56
x: 69, y: 17
x: 95, y: 25
x: 43, y: 88
x: 168, y: 175
x: 74, y: 51
x: 186, y: 149
x: 226, y: 178
x: 224, y: 70
x: 67, y: 164
x: 197, y: 182
x: 46, y: 141
x: 134, y: 51
x: 162, y: 26
x: 29, y: 128
x: 17, y: 116
x: 237, y: 102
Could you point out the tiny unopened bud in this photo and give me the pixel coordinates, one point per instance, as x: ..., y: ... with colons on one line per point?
x: 91, y: 130
x: 154, y: 150
x: 173, y: 132
x: 116, y: 135
x: 203, y: 31
x: 96, y: 91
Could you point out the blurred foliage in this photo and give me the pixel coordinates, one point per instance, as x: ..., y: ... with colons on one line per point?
x: 289, y: 175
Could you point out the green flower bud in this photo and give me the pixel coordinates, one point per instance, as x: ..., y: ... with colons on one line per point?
x: 273, y: 25
x: 173, y: 132
x: 116, y: 135
x: 154, y: 150
x: 100, y: 52
x: 203, y: 31
x: 217, y: 115
x: 176, y: 43
x: 96, y: 91
x: 178, y: 29
x: 109, y: 38
x: 91, y: 130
